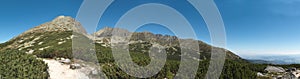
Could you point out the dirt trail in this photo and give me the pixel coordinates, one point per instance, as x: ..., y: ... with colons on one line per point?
x: 58, y: 70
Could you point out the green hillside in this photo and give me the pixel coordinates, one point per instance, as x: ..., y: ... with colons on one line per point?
x: 104, y: 56
x: 59, y: 44
x: 16, y: 65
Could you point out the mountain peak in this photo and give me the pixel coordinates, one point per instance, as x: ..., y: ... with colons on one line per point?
x: 63, y: 18
x: 60, y: 23
x: 107, y: 32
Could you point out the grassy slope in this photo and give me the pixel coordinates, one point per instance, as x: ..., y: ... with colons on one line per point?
x: 234, y: 68
x: 105, y: 56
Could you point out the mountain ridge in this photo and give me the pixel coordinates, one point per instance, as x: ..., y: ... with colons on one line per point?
x: 105, y: 34
x: 67, y: 23
x: 53, y: 40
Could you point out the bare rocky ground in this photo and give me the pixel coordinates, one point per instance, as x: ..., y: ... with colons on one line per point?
x: 58, y: 70
x: 280, y: 73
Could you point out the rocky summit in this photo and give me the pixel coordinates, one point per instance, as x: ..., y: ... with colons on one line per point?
x: 60, y: 23
x: 37, y: 35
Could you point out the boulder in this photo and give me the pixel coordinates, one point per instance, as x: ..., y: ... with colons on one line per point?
x: 260, y: 74
x: 30, y: 51
x: 75, y: 66
x: 65, y: 61
x: 95, y: 72
x: 273, y: 69
x: 291, y: 69
x: 289, y: 76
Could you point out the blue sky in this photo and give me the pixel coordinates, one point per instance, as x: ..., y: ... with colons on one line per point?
x: 262, y: 26
x: 253, y: 27
x: 18, y: 16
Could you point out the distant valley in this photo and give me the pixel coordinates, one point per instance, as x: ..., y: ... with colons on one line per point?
x: 275, y: 59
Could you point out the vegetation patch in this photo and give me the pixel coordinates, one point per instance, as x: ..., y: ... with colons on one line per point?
x: 17, y: 65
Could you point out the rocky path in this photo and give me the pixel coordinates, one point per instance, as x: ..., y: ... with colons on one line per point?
x: 58, y: 70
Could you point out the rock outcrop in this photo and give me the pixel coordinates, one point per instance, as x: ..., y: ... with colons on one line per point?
x: 273, y: 69
x: 280, y: 73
